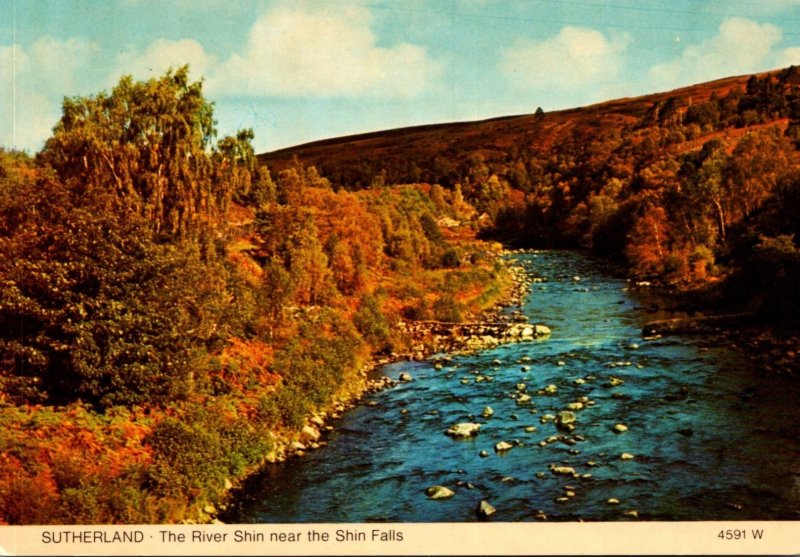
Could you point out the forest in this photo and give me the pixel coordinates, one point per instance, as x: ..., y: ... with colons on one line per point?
x: 173, y: 305
x: 170, y: 309
x: 686, y: 188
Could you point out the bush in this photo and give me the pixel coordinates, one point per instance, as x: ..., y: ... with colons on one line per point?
x: 446, y: 309
x: 451, y: 259
x: 372, y: 323
x: 188, y: 458
x: 287, y: 407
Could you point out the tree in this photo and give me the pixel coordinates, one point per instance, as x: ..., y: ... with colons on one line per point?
x: 647, y: 246
x: 758, y: 163
x: 149, y: 143
x: 92, y: 308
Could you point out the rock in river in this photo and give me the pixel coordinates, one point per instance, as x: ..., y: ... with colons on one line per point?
x: 620, y: 428
x: 487, y: 412
x: 484, y: 509
x: 503, y: 446
x: 562, y: 470
x: 439, y: 492
x: 405, y: 377
x: 565, y: 417
x: 463, y: 430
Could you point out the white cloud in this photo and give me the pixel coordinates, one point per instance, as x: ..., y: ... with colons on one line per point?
x: 741, y: 46
x: 38, y: 78
x: 163, y: 54
x: 293, y: 52
x: 575, y: 57
x: 789, y: 57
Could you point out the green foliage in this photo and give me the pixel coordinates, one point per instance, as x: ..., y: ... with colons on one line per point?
x: 148, y: 143
x: 287, y: 407
x: 197, y: 453
x: 93, y: 308
x: 372, y: 323
x: 318, y: 359
x: 446, y: 309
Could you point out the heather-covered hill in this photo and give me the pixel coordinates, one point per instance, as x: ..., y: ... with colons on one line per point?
x: 356, y: 160
x: 685, y: 186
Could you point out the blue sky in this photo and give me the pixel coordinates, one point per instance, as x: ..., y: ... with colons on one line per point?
x: 297, y: 71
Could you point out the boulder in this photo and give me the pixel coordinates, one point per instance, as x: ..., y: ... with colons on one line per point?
x: 565, y: 417
x: 405, y: 377
x: 575, y: 406
x: 309, y: 434
x: 484, y: 509
x: 626, y: 456
x: 488, y: 412
x: 465, y: 429
x: 297, y: 446
x: 317, y: 420
x: 439, y: 492
x: 614, y: 382
x: 551, y: 389
x: 503, y: 446
x: 620, y: 428
x: 562, y: 470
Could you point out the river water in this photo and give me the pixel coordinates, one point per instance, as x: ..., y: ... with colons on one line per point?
x: 711, y: 435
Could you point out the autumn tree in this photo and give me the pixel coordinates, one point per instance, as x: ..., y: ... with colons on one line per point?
x: 148, y: 142
x: 92, y: 308
x: 648, y: 242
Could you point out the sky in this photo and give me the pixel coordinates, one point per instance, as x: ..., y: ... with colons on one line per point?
x: 302, y: 70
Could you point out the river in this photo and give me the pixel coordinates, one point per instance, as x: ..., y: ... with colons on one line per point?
x: 711, y: 436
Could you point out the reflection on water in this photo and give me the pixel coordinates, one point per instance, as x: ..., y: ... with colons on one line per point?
x: 709, y: 435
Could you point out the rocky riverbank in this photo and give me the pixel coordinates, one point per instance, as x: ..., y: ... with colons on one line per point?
x: 494, y: 326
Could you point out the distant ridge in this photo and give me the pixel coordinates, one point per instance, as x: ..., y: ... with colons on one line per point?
x: 429, y: 140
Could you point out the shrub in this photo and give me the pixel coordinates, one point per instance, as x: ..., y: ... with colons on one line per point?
x: 446, y: 309
x: 372, y: 323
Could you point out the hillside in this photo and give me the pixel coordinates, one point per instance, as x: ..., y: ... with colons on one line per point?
x: 684, y: 186
x: 354, y: 159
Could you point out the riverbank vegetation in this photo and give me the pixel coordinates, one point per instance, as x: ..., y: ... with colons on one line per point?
x: 171, y: 310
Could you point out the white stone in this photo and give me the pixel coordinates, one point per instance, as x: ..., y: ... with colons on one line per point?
x: 503, y: 446
x: 439, y: 492
x: 463, y: 430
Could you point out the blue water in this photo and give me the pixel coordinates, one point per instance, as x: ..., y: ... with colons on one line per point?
x: 724, y: 447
